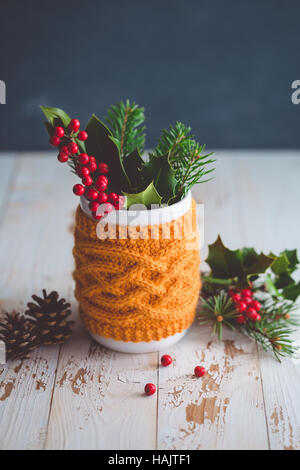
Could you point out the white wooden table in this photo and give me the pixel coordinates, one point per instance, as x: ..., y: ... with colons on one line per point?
x: 81, y: 396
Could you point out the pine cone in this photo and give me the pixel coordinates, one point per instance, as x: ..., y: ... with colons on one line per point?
x: 19, y: 335
x: 51, y: 318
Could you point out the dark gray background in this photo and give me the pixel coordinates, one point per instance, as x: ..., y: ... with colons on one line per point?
x: 224, y: 67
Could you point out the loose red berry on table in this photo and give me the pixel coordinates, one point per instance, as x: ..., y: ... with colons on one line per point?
x: 93, y: 205
x: 62, y: 157
x: 236, y: 297
x: 101, y: 183
x: 54, y: 140
x: 83, y: 171
x: 150, y: 389
x: 103, y: 168
x: 91, y: 194
x: 87, y: 181
x: 242, y: 306
x: 241, y: 319
x: 102, y: 198
x: 83, y: 159
x: 199, y: 371
x: 73, y: 147
x: 59, y: 132
x: 256, y: 305
x: 78, y: 189
x: 82, y: 135
x: 166, y: 360
x: 246, y: 293
x: 74, y: 125
x: 92, y: 166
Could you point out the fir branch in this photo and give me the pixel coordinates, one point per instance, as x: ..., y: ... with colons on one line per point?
x: 125, y: 121
x: 218, y: 310
x: 185, y: 157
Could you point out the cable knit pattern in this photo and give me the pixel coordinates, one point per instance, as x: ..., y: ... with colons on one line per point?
x: 141, y: 289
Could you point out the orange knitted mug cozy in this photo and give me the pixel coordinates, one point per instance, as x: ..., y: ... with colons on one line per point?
x: 137, y: 289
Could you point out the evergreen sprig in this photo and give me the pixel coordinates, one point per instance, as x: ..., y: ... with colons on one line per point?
x: 185, y: 157
x: 125, y: 122
x: 218, y: 310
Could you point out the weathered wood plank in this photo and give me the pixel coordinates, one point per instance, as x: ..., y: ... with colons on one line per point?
x: 98, y: 400
x: 35, y: 247
x: 222, y: 410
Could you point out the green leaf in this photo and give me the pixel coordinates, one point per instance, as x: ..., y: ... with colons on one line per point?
x: 224, y: 263
x: 56, y: 113
x: 280, y: 264
x: 159, y: 170
x: 100, y: 144
x: 242, y: 264
x: 147, y: 197
x: 292, y: 292
x: 133, y: 164
x: 292, y: 258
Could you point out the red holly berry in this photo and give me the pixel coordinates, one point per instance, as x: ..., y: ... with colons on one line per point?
x: 101, y: 183
x: 199, y: 371
x: 82, y: 135
x: 103, y: 168
x: 247, y: 300
x: 91, y: 194
x: 93, y: 205
x: 96, y: 216
x: 54, y: 140
x: 64, y: 149
x: 74, y: 125
x: 246, y: 293
x: 92, y: 166
x: 166, y: 360
x: 78, y: 189
x: 87, y: 180
x: 83, y: 159
x: 102, y: 198
x: 236, y: 297
x: 92, y: 158
x: 254, y: 316
x: 241, y: 319
x: 83, y: 171
x: 242, y: 306
x: 73, y: 147
x: 62, y: 157
x: 256, y: 305
x: 150, y: 389
x: 108, y: 207
x: 113, y: 197
x: 59, y: 132
x: 231, y: 292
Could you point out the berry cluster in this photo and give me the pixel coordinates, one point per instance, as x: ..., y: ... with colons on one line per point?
x: 247, y: 307
x: 166, y: 360
x: 94, y: 182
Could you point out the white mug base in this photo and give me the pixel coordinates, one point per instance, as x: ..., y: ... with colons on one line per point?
x: 140, y: 347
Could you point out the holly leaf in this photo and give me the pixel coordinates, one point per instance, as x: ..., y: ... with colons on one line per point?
x: 224, y: 263
x: 281, y: 264
x: 291, y: 292
x: 53, y: 114
x: 100, y: 144
x: 159, y: 170
x: 133, y: 165
x: 242, y: 264
x: 147, y: 197
x: 292, y: 257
